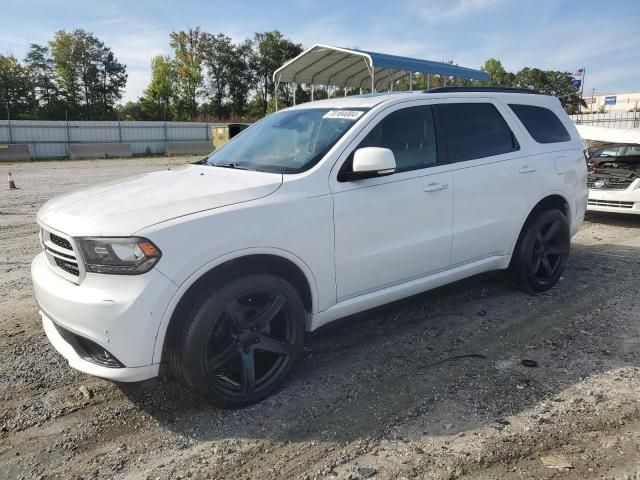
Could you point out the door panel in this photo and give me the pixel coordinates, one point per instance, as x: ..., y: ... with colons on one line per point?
x: 390, y: 231
x: 491, y: 199
x: 493, y: 193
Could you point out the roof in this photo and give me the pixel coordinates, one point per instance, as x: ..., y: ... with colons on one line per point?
x: 370, y: 100
x: 344, y: 67
x: 609, y: 135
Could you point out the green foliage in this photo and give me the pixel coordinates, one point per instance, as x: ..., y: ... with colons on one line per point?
x: 15, y: 88
x: 90, y: 79
x: 549, y: 82
x: 269, y: 50
x: 158, y: 100
x: 188, y: 47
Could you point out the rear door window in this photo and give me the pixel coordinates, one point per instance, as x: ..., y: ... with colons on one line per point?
x: 541, y: 123
x: 474, y: 130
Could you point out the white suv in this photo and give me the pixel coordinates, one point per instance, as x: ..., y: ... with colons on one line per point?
x: 216, y: 270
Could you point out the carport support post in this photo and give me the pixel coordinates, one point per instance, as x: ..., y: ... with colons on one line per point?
x: 312, y: 92
x: 295, y: 87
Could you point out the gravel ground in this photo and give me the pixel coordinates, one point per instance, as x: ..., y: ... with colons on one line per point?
x: 431, y: 387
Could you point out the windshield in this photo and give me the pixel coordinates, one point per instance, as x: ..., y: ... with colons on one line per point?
x: 288, y: 141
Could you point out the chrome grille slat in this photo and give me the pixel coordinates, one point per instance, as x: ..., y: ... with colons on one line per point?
x: 610, y: 203
x: 59, y: 241
x: 61, y: 255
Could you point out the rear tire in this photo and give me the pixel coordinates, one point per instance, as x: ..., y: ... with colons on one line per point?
x: 541, y: 252
x: 241, y: 342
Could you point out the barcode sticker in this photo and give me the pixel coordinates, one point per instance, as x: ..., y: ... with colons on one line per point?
x: 343, y: 114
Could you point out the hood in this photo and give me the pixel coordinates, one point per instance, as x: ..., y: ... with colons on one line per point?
x: 121, y: 208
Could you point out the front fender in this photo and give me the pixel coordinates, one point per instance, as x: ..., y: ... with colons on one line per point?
x: 196, y: 275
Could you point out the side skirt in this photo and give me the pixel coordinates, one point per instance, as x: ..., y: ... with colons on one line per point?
x: 370, y: 300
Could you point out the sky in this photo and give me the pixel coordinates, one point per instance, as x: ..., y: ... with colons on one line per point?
x: 602, y: 37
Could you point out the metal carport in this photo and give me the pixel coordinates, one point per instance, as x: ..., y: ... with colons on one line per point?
x: 350, y: 68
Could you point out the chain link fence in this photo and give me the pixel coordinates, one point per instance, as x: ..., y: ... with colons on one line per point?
x: 610, y: 120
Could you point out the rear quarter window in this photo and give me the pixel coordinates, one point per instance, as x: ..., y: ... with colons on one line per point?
x: 474, y: 130
x: 541, y: 123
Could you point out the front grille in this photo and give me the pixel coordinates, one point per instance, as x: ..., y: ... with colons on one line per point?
x: 61, y: 255
x: 610, y: 184
x: 59, y: 241
x: 610, y: 203
x: 67, y: 266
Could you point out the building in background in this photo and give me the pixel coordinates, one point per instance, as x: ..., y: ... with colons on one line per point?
x: 612, y: 102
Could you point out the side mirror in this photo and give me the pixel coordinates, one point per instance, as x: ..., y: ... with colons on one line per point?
x: 370, y: 162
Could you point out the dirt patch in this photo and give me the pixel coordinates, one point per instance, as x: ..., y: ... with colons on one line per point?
x: 432, y: 387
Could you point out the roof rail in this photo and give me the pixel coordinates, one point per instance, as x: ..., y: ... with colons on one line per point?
x: 482, y: 89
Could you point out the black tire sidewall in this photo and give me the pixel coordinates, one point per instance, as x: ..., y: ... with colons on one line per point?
x: 523, y: 274
x: 192, y: 346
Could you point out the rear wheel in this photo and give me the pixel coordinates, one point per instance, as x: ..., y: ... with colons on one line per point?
x: 242, y: 342
x: 541, y: 253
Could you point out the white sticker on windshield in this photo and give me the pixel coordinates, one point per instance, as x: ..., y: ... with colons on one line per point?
x: 343, y: 114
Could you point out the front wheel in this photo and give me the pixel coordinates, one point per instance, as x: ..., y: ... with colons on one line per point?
x: 242, y: 342
x: 541, y: 253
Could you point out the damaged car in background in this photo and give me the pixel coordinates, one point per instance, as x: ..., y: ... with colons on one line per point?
x: 614, y: 169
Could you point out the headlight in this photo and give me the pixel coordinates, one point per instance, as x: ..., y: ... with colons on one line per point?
x: 121, y: 256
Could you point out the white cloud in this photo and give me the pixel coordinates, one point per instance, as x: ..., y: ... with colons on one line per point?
x: 432, y: 10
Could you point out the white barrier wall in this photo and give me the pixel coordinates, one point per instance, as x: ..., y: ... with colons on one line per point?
x: 53, y: 139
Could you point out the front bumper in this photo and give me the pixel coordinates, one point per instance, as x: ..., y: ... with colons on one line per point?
x: 615, y: 201
x: 118, y: 313
x: 126, y: 374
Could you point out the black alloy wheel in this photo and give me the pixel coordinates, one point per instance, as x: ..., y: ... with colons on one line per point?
x: 244, y: 340
x: 541, y: 253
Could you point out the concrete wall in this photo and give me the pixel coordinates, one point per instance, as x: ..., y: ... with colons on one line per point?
x: 99, y: 150
x: 201, y: 147
x: 53, y: 139
x: 14, y: 152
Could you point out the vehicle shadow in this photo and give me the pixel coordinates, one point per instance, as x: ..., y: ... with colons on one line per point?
x: 454, y: 352
x: 613, y: 219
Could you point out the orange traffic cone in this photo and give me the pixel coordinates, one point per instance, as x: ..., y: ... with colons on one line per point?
x: 12, y: 184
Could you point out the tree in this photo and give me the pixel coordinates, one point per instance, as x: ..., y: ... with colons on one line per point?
x: 188, y: 47
x: 159, y: 97
x: 241, y: 78
x: 44, y: 92
x: 553, y: 83
x: 219, y: 52
x: 15, y: 88
x: 269, y: 51
x: 88, y: 74
x: 131, y: 111
x: 494, y: 68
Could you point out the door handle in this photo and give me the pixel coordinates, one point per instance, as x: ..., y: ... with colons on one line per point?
x: 435, y: 186
x: 527, y: 169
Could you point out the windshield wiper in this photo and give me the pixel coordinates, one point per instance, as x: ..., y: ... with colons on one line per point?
x: 231, y: 165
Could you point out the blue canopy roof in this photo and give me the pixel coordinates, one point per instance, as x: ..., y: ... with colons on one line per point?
x: 344, y: 67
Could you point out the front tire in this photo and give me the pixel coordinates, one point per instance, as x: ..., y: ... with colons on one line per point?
x: 541, y: 252
x: 240, y: 344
